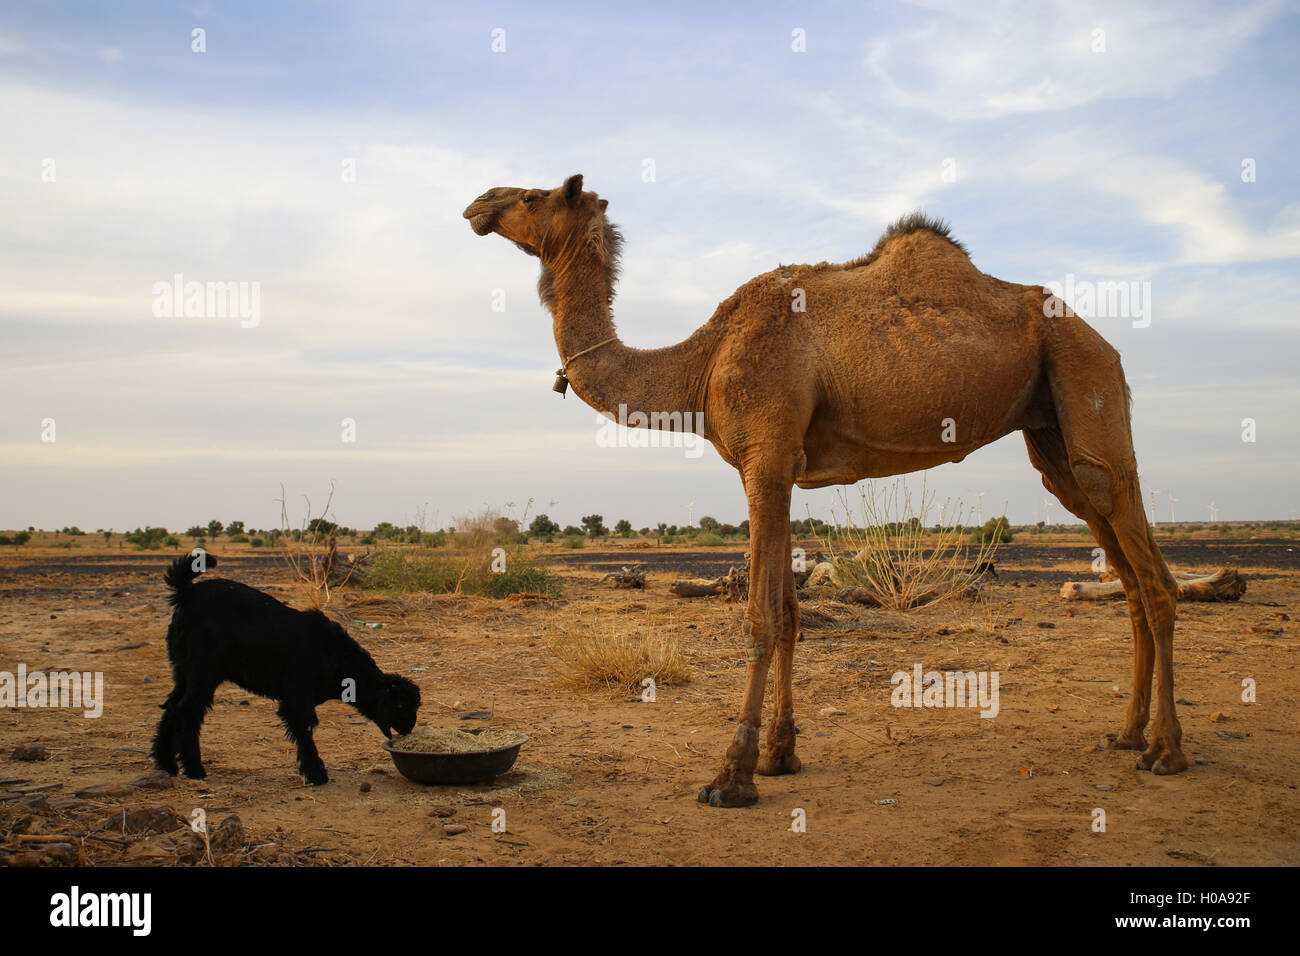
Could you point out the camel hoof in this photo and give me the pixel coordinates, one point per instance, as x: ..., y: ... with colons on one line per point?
x: 1121, y: 742
x: 736, y: 796
x: 770, y: 765
x: 1166, y: 766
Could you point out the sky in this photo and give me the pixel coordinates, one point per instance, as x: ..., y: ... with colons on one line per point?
x: 320, y: 155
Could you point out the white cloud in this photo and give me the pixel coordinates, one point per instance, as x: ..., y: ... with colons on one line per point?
x: 993, y: 59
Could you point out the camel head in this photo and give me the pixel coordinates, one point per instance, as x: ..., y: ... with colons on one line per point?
x: 543, y: 222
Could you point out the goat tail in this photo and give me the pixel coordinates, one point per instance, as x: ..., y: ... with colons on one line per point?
x: 182, y: 572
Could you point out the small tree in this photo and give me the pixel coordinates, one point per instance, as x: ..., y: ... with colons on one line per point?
x: 235, y: 527
x: 507, y: 530
x: 214, y: 529
x: 594, y: 525
x: 543, y: 527
x: 623, y: 528
x: 147, y: 538
x: 995, y: 531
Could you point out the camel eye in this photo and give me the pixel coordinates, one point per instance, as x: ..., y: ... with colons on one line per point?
x: 529, y: 197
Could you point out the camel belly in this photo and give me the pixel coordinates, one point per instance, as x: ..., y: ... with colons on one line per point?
x: 843, y: 445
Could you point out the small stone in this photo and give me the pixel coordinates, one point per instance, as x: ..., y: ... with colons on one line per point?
x: 1217, y: 716
x: 1046, y: 625
x: 143, y: 820
x: 365, y: 786
x: 442, y: 811
x: 451, y: 829
x: 63, y: 854
x: 105, y: 791
x: 887, y: 802
x: 830, y: 712
x: 933, y: 781
x: 1105, y: 786
x: 476, y: 715
x: 158, y: 780
x: 30, y: 752
x: 575, y: 802
x: 146, y: 679
x: 66, y: 803
x: 229, y: 834
x: 267, y: 854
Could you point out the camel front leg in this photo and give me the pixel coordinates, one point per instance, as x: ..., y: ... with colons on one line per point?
x: 778, y: 755
x: 769, y: 527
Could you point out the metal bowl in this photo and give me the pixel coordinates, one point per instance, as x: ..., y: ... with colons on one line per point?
x: 477, y: 766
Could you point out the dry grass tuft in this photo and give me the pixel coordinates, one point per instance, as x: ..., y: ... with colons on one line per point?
x: 619, y: 659
x: 894, y: 555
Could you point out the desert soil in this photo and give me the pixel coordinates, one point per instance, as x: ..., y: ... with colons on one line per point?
x: 608, y: 779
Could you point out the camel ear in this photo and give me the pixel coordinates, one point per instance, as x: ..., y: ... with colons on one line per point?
x: 603, y: 204
x: 573, y: 188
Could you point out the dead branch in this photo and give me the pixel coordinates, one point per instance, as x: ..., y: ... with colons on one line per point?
x: 1223, y: 585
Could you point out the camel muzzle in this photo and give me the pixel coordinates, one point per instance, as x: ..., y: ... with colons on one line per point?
x: 481, y: 218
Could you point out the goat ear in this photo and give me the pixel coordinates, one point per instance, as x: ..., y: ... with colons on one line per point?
x: 603, y: 204
x: 573, y: 188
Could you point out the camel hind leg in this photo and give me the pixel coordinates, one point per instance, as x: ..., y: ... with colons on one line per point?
x: 1047, y: 453
x: 1091, y: 402
x: 777, y: 755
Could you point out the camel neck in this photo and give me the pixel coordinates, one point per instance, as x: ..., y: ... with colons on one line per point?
x: 608, y: 375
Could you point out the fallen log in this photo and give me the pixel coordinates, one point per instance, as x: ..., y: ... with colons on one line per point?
x: 1223, y: 585
x: 696, y: 587
x: 861, y: 595
x: 627, y: 578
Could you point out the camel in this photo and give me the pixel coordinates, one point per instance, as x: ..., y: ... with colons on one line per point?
x: 827, y: 374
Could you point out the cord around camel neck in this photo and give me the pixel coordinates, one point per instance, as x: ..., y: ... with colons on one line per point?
x: 565, y: 362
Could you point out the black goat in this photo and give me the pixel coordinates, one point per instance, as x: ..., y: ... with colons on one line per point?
x: 226, y: 631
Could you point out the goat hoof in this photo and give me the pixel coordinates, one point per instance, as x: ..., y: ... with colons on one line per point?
x: 195, y: 773
x: 316, y: 776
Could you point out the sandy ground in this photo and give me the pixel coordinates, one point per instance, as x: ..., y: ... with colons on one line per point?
x: 607, y: 779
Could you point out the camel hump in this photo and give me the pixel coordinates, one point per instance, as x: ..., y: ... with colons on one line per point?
x: 915, y: 223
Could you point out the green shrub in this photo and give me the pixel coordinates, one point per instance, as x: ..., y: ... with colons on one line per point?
x: 257, y: 543
x: 171, y: 541
x: 573, y: 541
x: 995, y: 531
x: 523, y: 572
x: 709, y: 539
x: 147, y: 538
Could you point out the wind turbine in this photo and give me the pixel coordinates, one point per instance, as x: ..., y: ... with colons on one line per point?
x: 690, y: 511
x: 1214, y: 514
x: 1153, y: 492
x: 1172, y: 500
x: 979, y: 508
x: 1047, y: 511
